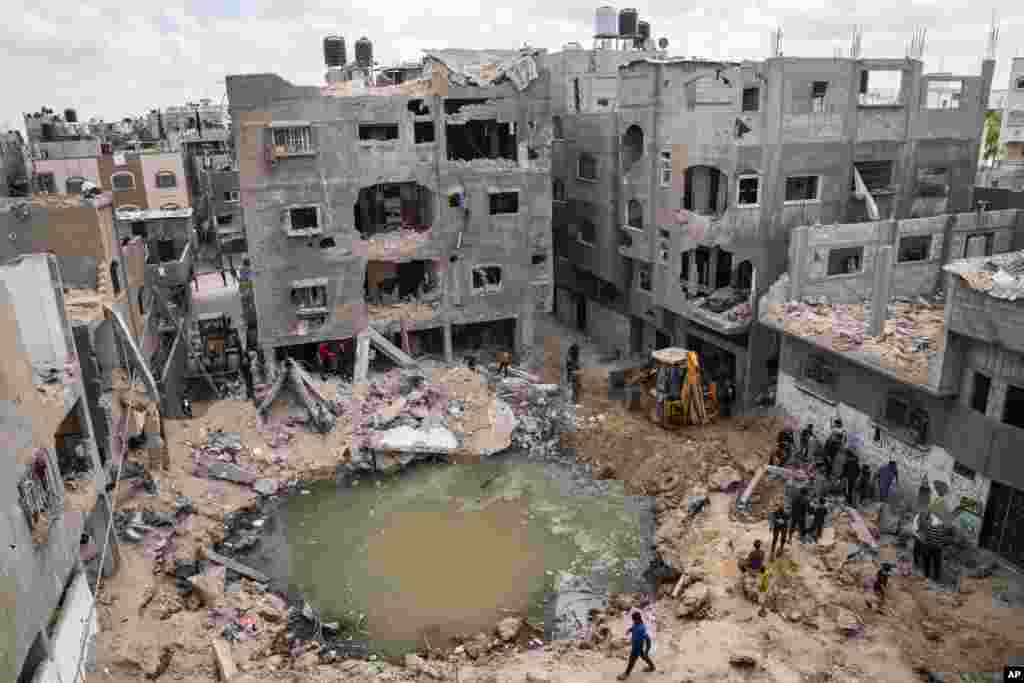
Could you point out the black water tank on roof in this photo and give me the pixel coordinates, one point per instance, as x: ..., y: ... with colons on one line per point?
x: 70, y: 116
x: 364, y: 52
x: 47, y: 131
x: 334, y: 51
x: 644, y: 29
x: 627, y: 22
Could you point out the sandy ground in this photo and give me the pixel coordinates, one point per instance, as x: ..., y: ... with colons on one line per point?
x: 149, y: 631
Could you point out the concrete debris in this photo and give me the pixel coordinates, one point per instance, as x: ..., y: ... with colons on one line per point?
x: 420, y: 666
x: 508, y: 628
x: 1000, y: 276
x: 695, y: 602
x: 407, y: 439
x: 209, y: 588
x: 744, y: 659
x: 225, y: 663
x: 266, y: 487
x: 235, y: 566
x: 321, y: 412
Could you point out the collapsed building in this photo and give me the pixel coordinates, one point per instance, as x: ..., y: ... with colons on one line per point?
x: 416, y: 213
x: 56, y: 502
x: 921, y: 361
x: 676, y: 183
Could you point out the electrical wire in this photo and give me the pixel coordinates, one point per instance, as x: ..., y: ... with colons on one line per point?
x: 106, y: 537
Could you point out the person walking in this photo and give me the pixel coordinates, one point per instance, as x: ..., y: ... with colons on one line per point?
x: 779, y: 522
x: 887, y: 476
x: 798, y: 516
x: 806, y: 436
x: 937, y: 535
x: 641, y: 646
x: 851, y: 473
x: 572, y: 367
x: 818, y: 511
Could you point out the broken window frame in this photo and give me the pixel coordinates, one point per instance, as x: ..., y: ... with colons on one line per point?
x: 231, y: 197
x: 557, y: 128
x: 644, y: 275
x: 843, y: 255
x: 793, y: 179
x: 309, y: 299
x: 485, y: 273
x: 925, y: 185
x: 495, y: 199
x: 122, y: 174
x: 873, y: 173
x: 820, y: 370
x: 588, y: 160
x: 292, y: 140
x: 302, y: 232
x: 909, y: 249
x: 751, y: 99
x: 163, y: 177
x: 739, y: 190
x: 933, y: 101
x: 665, y: 169
x: 635, y: 214
x: 819, y: 91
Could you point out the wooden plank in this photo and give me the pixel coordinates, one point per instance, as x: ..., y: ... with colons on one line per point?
x: 235, y: 566
x: 225, y: 663
x: 745, y: 498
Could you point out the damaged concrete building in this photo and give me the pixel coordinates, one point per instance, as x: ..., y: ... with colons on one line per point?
x: 676, y: 183
x: 934, y: 381
x: 417, y: 212
x: 55, y: 497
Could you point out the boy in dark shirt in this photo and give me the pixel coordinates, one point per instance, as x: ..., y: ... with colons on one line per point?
x: 641, y: 646
x: 818, y: 511
x: 755, y: 560
x: 780, y: 527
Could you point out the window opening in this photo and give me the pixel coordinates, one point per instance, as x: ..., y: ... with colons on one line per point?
x: 877, y: 175
x: 665, y: 170
x: 845, y: 261
x: 644, y: 277
x: 979, y: 397
x: 588, y: 232
x: 745, y: 276
x: 504, y: 203
x: 557, y: 190
x: 165, y: 251
x: 723, y: 271
x: 586, y: 167
x: 556, y: 125
x: 418, y: 108
x: 979, y: 245
x: 538, y: 259
x: 166, y: 180
x: 818, y: 91
x: 932, y: 182
x: 309, y: 299
x: 635, y: 214
x: 423, y: 131
x: 1013, y: 409
x: 303, y: 219
x: 576, y: 94
x: 751, y: 99
x: 293, y: 140
x: 944, y: 94
x: 915, y: 248
x: 684, y: 270
x: 704, y: 190
x: 880, y: 87
x: 486, y: 279
x: 802, y: 188
x: 74, y: 185
x: 139, y: 229
x: 122, y: 181
x: 231, y: 196
x: 394, y: 206
x: 632, y: 146
x: 481, y: 139
x: 747, y: 191
x: 378, y: 131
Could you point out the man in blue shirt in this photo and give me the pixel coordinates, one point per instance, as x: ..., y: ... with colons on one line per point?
x: 641, y: 646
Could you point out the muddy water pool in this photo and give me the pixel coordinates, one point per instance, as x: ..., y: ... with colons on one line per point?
x: 440, y: 550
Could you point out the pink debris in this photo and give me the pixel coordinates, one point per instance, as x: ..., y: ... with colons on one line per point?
x: 863, y: 533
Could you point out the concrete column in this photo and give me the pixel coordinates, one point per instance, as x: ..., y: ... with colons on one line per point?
x: 797, y: 263
x: 880, y: 290
x: 449, y: 351
x: 362, y: 368
x: 713, y: 266
x: 97, y: 525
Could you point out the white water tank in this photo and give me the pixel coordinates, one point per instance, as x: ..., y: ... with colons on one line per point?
x: 606, y: 22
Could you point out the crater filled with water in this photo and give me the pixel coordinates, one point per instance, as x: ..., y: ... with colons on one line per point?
x: 440, y: 550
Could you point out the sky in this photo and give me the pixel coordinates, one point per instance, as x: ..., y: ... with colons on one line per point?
x: 110, y: 59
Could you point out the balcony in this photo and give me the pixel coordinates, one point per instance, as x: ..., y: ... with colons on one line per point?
x: 634, y: 244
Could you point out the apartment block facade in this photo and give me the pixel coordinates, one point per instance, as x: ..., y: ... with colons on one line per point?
x: 677, y: 183
x: 421, y: 209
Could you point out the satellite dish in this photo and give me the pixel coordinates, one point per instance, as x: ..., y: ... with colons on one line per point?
x: 662, y: 43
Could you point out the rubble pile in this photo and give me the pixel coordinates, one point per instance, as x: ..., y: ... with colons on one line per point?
x: 541, y: 414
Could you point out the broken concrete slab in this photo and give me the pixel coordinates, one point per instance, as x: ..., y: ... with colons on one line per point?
x: 390, y: 350
x: 225, y: 663
x: 266, y: 487
x: 235, y: 566
x: 861, y: 529
x: 406, y: 439
x: 227, y: 472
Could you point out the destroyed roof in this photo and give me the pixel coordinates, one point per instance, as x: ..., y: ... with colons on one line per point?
x: 914, y: 332
x: 1000, y: 276
x: 486, y: 67
x: 56, y: 201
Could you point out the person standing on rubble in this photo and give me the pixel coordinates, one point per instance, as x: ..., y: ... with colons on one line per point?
x: 818, y: 511
x: 641, y: 646
x: 836, y: 442
x: 755, y: 560
x: 572, y: 367
x: 798, y: 516
x: 245, y: 367
x: 937, y: 536
x: 806, y: 435
x: 779, y: 522
x: 851, y: 473
x: 324, y: 353
x: 864, y: 484
x: 887, y: 476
